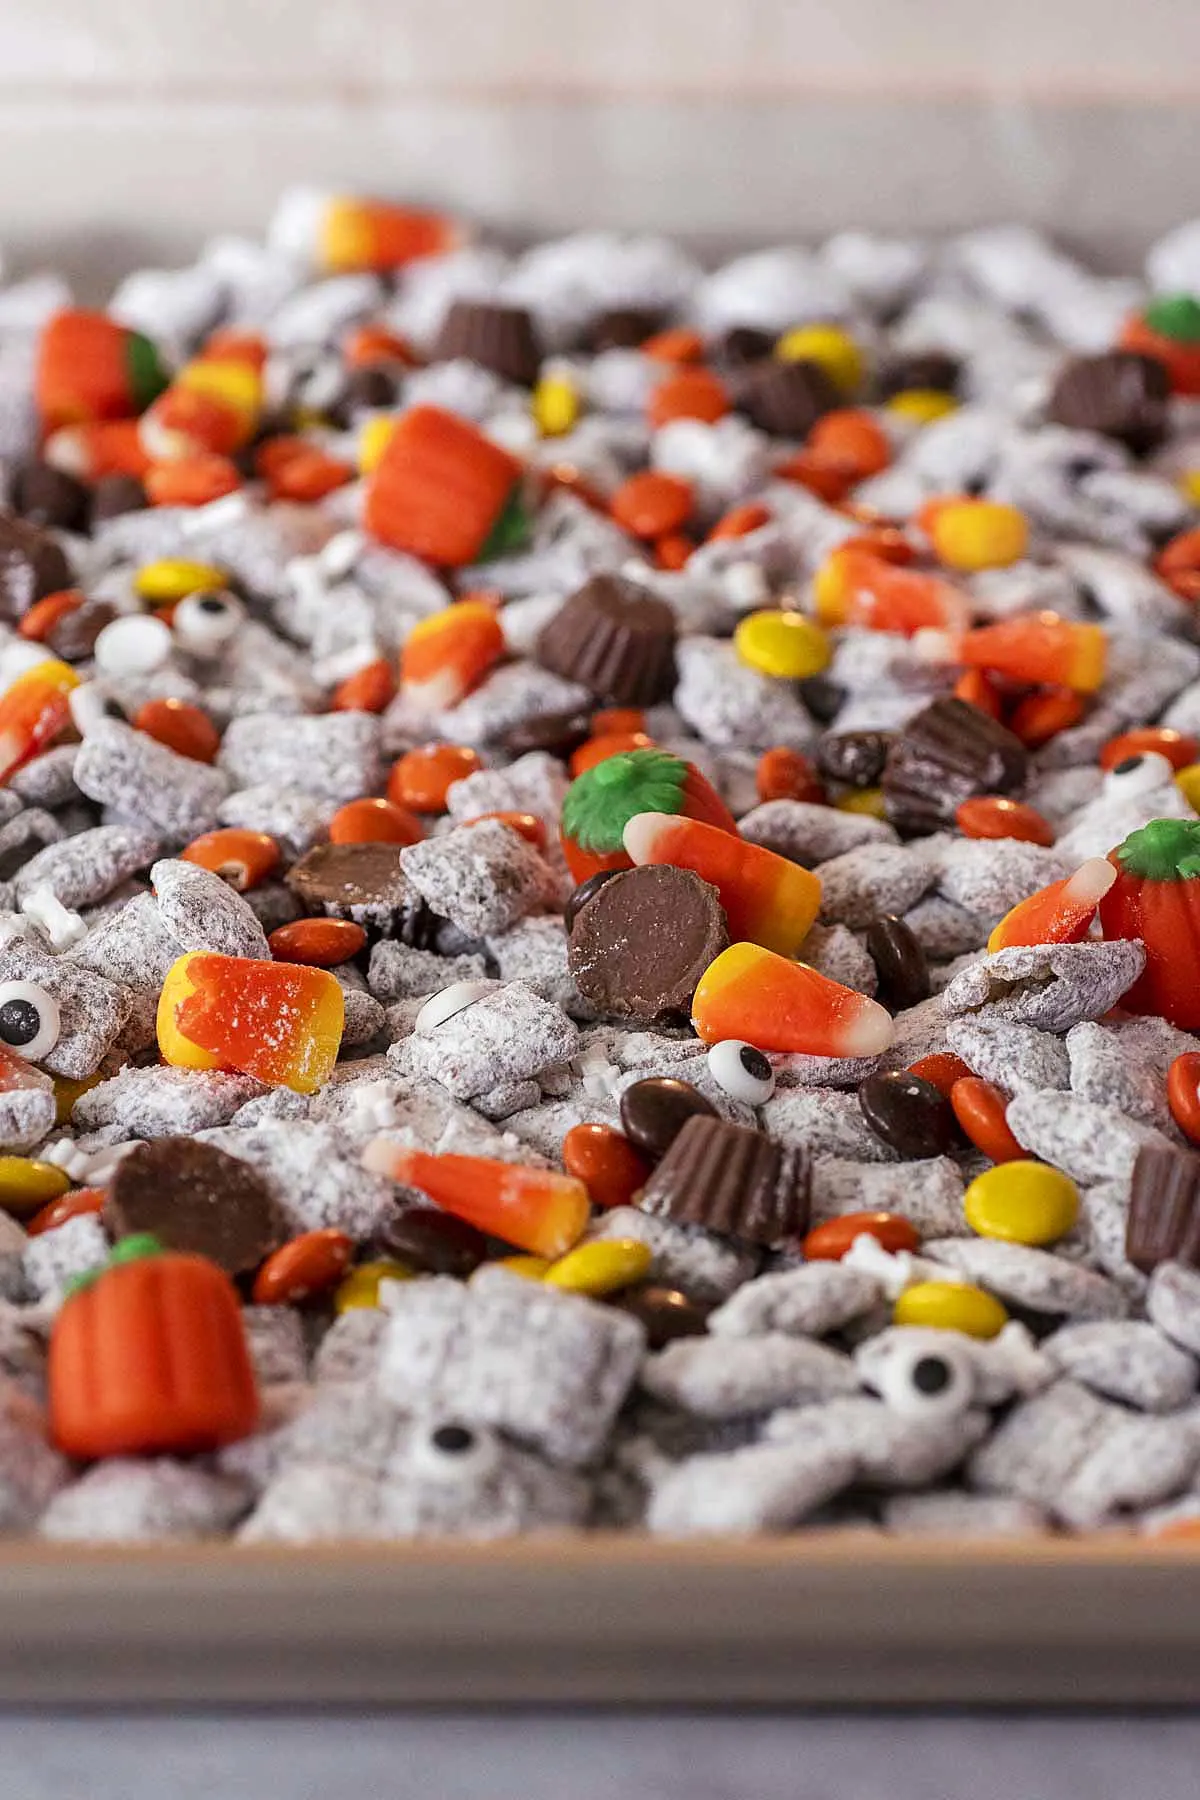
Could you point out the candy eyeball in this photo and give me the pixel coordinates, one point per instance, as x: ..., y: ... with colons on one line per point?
x: 743, y: 1072
x: 92, y: 705
x: 1138, y: 774
x: 30, y: 1022
x: 136, y: 644
x: 925, y: 1378
x: 451, y: 1451
x: 204, y: 622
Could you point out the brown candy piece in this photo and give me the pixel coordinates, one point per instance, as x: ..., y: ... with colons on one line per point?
x: 930, y: 370
x: 74, y: 636
x: 625, y: 327
x: 732, y: 1180
x: 655, y: 1111
x: 638, y: 948
x: 347, y: 875
x: 900, y: 962
x: 853, y: 757
x: 785, y: 398
x: 614, y: 638
x: 665, y: 1312
x: 1164, y: 1208
x: 949, y: 752
x: 31, y: 566
x: 557, y: 733
x: 197, y: 1198
x: 499, y: 338
x: 745, y: 344
x: 115, y: 495
x: 48, y: 496
x: 587, y: 890
x: 434, y: 1241
x: 908, y: 1114
x: 1120, y: 394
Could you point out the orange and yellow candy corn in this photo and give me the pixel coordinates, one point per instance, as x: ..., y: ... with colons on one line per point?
x: 33, y: 710
x: 445, y: 656
x: 535, y: 1209
x: 856, y: 587
x: 777, y: 1005
x: 98, y: 448
x: 343, y: 233
x: 90, y: 367
x: 1059, y: 914
x: 281, y: 1022
x: 767, y: 900
x: 215, y: 403
x: 1038, y: 647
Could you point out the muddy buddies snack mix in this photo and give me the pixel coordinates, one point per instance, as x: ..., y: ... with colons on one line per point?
x: 599, y: 892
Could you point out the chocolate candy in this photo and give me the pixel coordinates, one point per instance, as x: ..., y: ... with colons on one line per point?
x: 732, y: 1180
x: 665, y: 1312
x: 785, y: 398
x: 908, y: 1114
x: 587, y: 890
x: 73, y: 637
x: 193, y: 1197
x: 31, y: 566
x: 744, y: 344
x: 1164, y: 1208
x: 949, y: 752
x: 625, y: 327
x: 655, y: 1111
x: 434, y: 1240
x: 346, y: 875
x: 374, y: 386
x: 855, y: 758
x: 1120, y: 395
x: 639, y: 946
x: 557, y: 733
x: 932, y: 370
x: 614, y: 638
x: 115, y: 495
x: 822, y: 697
x: 48, y: 496
x: 900, y: 962
x: 499, y: 338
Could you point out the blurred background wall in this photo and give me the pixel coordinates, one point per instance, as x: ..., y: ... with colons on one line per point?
x: 134, y: 127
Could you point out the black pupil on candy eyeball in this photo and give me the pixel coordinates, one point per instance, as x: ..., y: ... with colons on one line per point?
x: 211, y: 603
x: 1127, y: 765
x: 755, y: 1063
x: 931, y: 1374
x: 454, y: 1439
x: 19, y: 1022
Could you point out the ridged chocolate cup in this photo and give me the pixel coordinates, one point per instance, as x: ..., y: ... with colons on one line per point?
x: 1120, y: 394
x: 948, y: 753
x: 499, y: 338
x: 614, y: 638
x: 731, y: 1180
x: 1164, y: 1208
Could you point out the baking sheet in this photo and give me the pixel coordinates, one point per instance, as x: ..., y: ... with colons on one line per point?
x: 837, y: 1620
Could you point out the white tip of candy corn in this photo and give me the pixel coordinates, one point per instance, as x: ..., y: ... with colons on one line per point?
x: 867, y: 1031
x: 295, y: 226
x: 643, y: 832
x: 934, y: 646
x: 1091, y: 881
x: 384, y: 1156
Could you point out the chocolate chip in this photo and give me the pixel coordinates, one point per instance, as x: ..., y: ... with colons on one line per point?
x: 115, y: 495
x: 434, y: 1241
x: 665, y: 1312
x: 855, y: 758
x: 375, y: 385
x: 625, y: 327
x: 744, y: 344
x: 640, y: 945
x: 74, y: 636
x: 908, y: 1114
x: 949, y: 752
x: 900, y: 962
x: 499, y: 338
x: 31, y: 566
x: 587, y: 890
x: 822, y: 697
x: 616, y: 639
x: 48, y: 496
x: 197, y: 1198
x: 732, y: 1180
x: 785, y: 398
x: 343, y: 875
x: 928, y: 370
x: 1164, y: 1208
x: 1119, y: 394
x: 557, y: 733
x: 655, y: 1111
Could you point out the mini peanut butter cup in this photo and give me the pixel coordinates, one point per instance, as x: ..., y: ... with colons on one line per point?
x: 732, y: 1180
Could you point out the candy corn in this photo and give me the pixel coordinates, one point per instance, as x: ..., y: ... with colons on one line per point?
x: 1059, y: 914
x: 535, y: 1209
x: 280, y: 1022
x: 98, y: 448
x: 215, y: 403
x: 777, y: 1005
x: 446, y: 656
x: 856, y: 587
x: 1038, y: 647
x: 600, y: 803
x: 341, y: 233
x: 33, y: 710
x: 441, y: 490
x: 90, y: 367
x: 767, y: 900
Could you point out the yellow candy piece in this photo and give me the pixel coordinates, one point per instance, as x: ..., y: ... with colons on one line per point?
x: 531, y: 1267
x: 26, y: 1185
x: 360, y: 1288
x: 1022, y: 1202
x: 864, y: 800
x: 601, y: 1268
x: 373, y: 440
x: 1188, y: 782
x: 66, y: 1093
x: 555, y: 405
x: 173, y: 578
x: 922, y: 405
x: 951, y: 1306
x: 979, y: 534
x: 833, y: 349
x: 782, y: 643
x: 1189, y: 483
x: 174, y: 1048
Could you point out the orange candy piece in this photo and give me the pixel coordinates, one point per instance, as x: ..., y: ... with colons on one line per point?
x: 830, y: 1241
x: 1179, y: 747
x: 677, y: 344
x: 281, y: 1022
x: 977, y: 688
x: 784, y: 774
x: 777, y: 1005
x: 1183, y: 1094
x: 439, y: 488
x: 182, y: 727
x: 611, y: 720
x: 689, y: 394
x: 535, y: 1209
x: 422, y: 778
x: 309, y: 476
x: 526, y: 825
x: 98, y: 448
x: 192, y: 481
x: 445, y: 656
x: 320, y: 943
x: 941, y: 1070
x: 1041, y: 716
x: 612, y: 743
x: 33, y: 710
x: 76, y: 1204
x: 606, y: 1162
x: 374, y: 822
x: 981, y: 1110
x: 767, y: 899
x: 849, y: 442
x: 1038, y: 647
x: 1059, y: 914
x: 242, y: 858
x: 859, y: 587
x: 308, y: 1266
x: 740, y: 521
x: 42, y: 617
x: 673, y: 551
x: 991, y: 816
x: 653, y: 503
x: 370, y: 689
